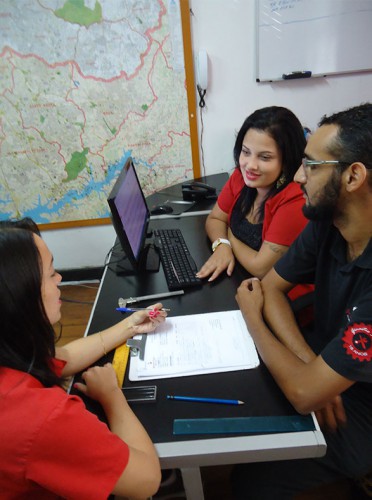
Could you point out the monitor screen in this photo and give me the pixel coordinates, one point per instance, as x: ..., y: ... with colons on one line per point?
x: 130, y: 217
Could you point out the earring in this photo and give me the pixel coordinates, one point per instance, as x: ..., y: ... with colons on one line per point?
x: 282, y: 179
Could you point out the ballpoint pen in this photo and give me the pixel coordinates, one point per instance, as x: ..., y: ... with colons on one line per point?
x: 207, y: 400
x: 134, y: 309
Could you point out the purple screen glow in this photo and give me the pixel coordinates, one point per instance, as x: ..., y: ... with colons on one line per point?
x: 132, y: 210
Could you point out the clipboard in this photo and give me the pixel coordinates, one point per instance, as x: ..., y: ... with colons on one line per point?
x: 194, y: 345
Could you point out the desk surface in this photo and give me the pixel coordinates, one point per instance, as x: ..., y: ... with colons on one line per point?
x: 175, y: 193
x: 256, y: 387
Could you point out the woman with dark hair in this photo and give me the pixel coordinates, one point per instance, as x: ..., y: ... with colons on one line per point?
x: 259, y: 211
x: 50, y: 445
x: 25, y: 223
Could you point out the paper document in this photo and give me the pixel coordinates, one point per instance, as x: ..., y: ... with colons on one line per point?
x: 196, y: 344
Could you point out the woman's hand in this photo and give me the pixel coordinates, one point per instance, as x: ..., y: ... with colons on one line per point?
x: 223, y: 258
x: 101, y: 383
x: 250, y: 298
x: 147, y: 320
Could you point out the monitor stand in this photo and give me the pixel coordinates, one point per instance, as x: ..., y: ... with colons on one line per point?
x: 149, y: 262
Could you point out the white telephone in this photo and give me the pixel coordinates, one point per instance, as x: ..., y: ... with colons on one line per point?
x: 202, y: 70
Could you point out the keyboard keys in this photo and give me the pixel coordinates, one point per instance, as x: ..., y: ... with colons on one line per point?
x: 179, y: 266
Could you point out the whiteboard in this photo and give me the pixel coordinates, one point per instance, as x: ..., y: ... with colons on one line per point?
x: 322, y: 36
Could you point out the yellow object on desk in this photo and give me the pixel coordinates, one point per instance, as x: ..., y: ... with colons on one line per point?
x: 120, y: 362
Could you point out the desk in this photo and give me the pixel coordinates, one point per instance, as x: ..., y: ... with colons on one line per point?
x: 256, y: 387
x: 175, y: 193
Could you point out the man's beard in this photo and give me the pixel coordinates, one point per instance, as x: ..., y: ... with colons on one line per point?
x: 326, y: 206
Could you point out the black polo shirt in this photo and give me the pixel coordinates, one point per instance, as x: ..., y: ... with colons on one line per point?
x: 343, y: 324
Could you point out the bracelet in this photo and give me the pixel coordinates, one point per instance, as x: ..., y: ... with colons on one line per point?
x: 103, y: 344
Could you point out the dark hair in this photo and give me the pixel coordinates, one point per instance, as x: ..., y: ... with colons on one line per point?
x: 286, y: 130
x: 27, y: 337
x: 354, y: 138
x: 25, y: 223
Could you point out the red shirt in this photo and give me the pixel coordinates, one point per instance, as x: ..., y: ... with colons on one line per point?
x: 283, y: 216
x: 51, y: 446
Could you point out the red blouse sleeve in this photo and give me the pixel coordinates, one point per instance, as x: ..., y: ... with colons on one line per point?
x: 71, y: 448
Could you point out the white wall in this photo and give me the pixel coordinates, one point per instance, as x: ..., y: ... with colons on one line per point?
x: 225, y: 29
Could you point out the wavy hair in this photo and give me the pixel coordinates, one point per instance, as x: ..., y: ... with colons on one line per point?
x: 285, y: 128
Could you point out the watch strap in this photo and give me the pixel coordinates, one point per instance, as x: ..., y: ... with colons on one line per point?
x: 220, y: 241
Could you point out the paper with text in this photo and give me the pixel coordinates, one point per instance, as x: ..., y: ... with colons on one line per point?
x: 196, y: 344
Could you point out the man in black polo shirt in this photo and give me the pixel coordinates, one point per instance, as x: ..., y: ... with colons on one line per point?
x: 329, y: 371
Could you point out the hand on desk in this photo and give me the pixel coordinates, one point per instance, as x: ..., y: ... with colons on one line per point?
x: 222, y: 258
x: 250, y: 298
x: 332, y: 416
x: 100, y: 383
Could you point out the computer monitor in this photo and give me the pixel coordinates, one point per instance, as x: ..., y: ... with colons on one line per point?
x: 130, y: 218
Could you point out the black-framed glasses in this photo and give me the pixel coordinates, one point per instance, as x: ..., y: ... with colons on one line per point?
x: 307, y: 164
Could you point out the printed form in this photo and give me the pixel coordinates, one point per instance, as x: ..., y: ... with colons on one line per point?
x: 196, y: 344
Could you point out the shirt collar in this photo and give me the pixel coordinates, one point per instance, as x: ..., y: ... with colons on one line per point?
x: 339, y: 252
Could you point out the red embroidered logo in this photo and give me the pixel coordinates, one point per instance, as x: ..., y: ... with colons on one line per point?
x: 358, y: 341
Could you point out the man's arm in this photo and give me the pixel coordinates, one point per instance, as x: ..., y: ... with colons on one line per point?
x: 280, y: 318
x: 309, y: 386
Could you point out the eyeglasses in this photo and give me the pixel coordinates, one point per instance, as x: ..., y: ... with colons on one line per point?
x: 308, y: 164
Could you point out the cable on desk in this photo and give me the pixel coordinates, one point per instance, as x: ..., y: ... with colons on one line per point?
x: 108, y: 262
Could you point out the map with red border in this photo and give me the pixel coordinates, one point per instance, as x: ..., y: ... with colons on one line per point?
x: 85, y: 84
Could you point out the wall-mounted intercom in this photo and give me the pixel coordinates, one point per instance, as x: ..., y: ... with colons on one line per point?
x: 202, y: 70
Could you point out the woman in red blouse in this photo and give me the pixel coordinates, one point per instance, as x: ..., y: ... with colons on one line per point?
x: 258, y: 213
x: 51, y: 447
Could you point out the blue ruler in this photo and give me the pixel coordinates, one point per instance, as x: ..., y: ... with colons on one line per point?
x: 244, y: 425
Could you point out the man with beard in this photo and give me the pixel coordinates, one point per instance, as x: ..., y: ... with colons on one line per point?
x: 327, y: 370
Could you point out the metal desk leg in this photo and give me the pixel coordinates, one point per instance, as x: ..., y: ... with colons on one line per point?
x: 192, y: 483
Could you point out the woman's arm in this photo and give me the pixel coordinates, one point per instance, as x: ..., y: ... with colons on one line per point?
x: 141, y: 477
x: 83, y: 352
x: 222, y: 258
x: 256, y: 263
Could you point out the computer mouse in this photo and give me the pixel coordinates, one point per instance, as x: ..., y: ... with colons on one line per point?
x: 161, y: 210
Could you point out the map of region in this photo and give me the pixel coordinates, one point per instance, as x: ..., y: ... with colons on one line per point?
x: 84, y: 85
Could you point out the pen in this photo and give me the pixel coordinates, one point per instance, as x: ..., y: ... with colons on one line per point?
x: 207, y: 400
x: 134, y: 309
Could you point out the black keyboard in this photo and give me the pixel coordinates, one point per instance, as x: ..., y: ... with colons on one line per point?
x: 179, y: 267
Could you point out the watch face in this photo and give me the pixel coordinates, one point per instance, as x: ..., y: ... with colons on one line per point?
x: 215, y: 244
x: 218, y: 242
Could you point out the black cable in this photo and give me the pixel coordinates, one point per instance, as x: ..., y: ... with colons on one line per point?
x: 201, y: 106
x: 201, y: 93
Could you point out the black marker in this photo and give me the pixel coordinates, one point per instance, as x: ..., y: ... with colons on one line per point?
x: 296, y: 74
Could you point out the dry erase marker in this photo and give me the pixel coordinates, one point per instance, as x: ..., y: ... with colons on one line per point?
x: 134, y: 309
x: 207, y: 400
x: 294, y: 75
